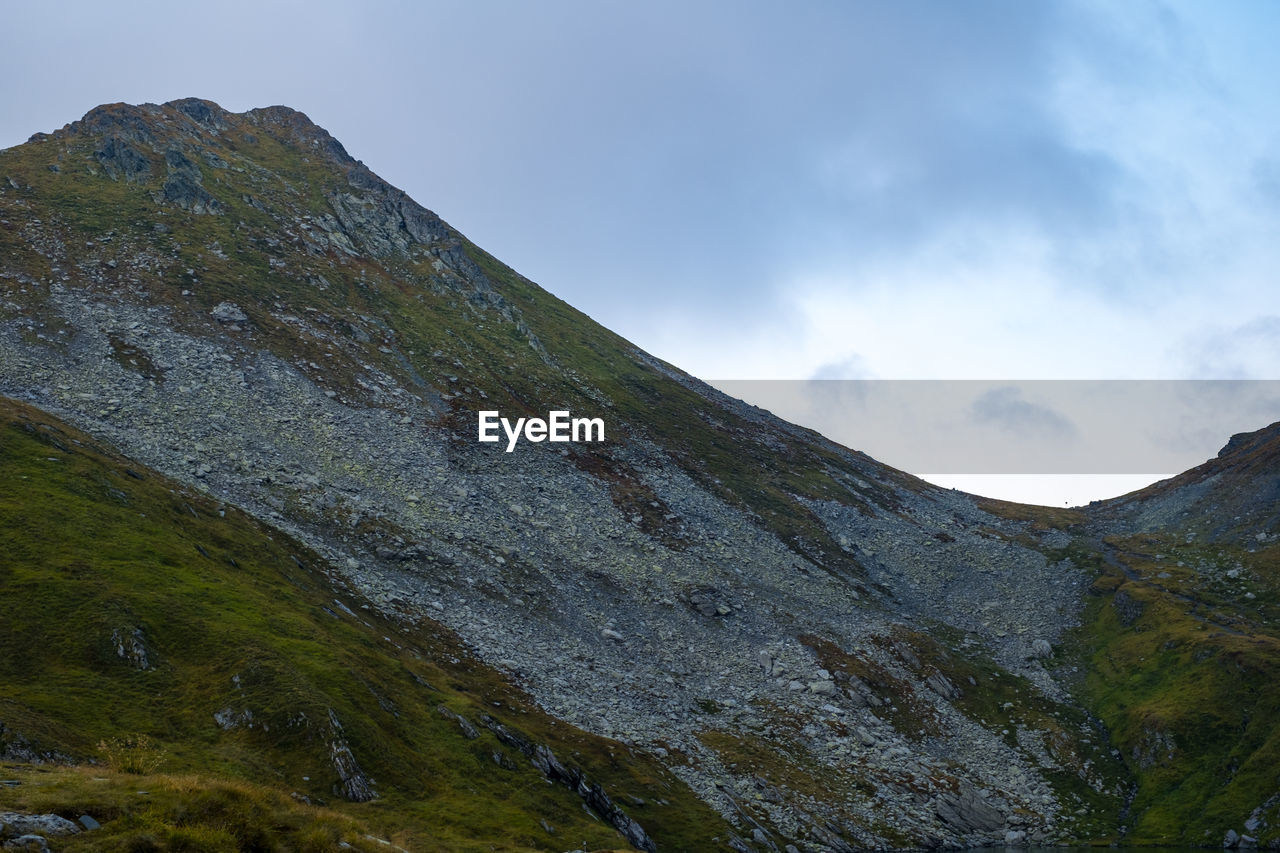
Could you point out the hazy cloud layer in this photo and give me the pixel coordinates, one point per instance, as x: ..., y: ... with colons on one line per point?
x: 1070, y: 428
x: 1005, y: 409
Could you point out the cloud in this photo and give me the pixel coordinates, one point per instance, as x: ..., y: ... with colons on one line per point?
x: 1249, y: 350
x: 685, y: 172
x: 1006, y: 409
x: 852, y: 366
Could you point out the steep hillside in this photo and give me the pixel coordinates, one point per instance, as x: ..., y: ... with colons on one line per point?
x: 152, y: 629
x: 1183, y: 647
x: 829, y: 653
x: 1232, y: 498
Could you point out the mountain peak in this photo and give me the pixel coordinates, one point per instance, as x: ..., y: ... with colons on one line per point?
x: 209, y: 160
x: 1243, y: 443
x: 199, y: 119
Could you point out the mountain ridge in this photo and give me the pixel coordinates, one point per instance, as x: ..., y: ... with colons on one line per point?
x: 829, y: 653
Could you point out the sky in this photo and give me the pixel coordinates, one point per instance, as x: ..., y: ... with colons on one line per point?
x: 836, y: 190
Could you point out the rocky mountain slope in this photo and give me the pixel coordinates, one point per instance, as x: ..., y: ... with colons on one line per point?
x: 824, y: 652
x: 149, y: 627
x: 1185, y: 650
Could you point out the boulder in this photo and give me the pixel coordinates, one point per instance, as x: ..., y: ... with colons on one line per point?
x: 939, y: 684
x: 967, y: 812
x: 16, y: 823
x: 228, y: 312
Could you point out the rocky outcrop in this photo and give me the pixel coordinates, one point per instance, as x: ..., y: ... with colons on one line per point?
x: 353, y: 784
x: 131, y: 647
x: 968, y: 813
x: 592, y: 794
x: 121, y: 159
x: 184, y: 185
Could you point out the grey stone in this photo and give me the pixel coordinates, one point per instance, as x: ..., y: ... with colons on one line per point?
x: 938, y: 683
x: 766, y: 662
x: 1127, y: 608
x: 184, y: 186
x: 229, y: 718
x: 228, y: 312
x: 469, y: 731
x: 967, y: 812
x: 121, y: 160
x: 131, y: 647
x: 43, y: 824
x: 353, y: 784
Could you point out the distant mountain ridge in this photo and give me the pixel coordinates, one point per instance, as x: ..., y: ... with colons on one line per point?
x: 783, y: 640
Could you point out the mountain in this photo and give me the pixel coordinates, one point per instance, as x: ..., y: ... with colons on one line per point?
x: 1185, y: 662
x: 727, y: 630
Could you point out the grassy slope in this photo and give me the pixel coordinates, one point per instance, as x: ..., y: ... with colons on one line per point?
x: 1183, y: 672
x: 90, y: 549
x: 1183, y: 652
x: 1189, y: 683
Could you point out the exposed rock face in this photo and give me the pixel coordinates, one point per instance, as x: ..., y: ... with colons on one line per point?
x: 185, y: 185
x: 968, y: 813
x: 15, y: 747
x: 122, y: 160
x: 1127, y: 608
x: 593, y: 796
x: 353, y: 784
x: 130, y: 646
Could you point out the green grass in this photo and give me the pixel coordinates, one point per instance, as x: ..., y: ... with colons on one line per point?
x: 186, y: 812
x: 1190, y: 690
x: 235, y: 616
